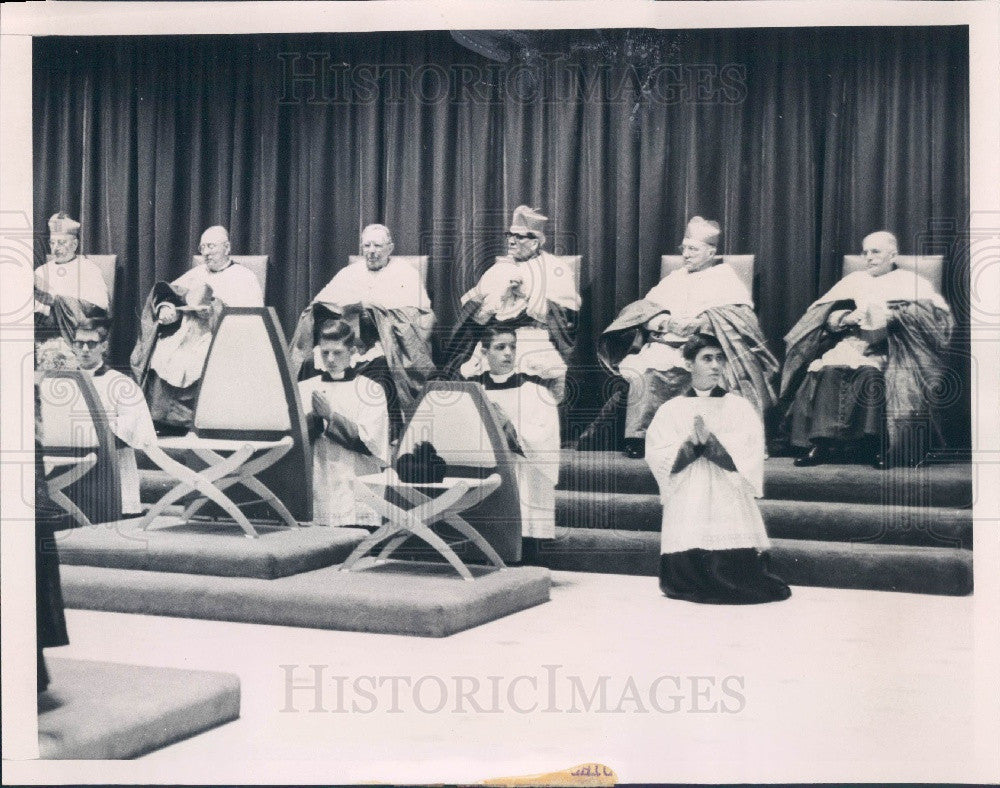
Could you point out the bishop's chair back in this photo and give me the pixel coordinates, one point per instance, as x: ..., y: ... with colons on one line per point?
x: 74, y: 424
x: 457, y: 420
x: 743, y: 264
x: 248, y: 392
x: 257, y: 263
x: 929, y: 266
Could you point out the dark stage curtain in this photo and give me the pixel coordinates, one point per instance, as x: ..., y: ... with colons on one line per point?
x: 798, y: 141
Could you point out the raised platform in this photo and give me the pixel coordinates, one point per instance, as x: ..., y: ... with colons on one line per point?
x: 208, y: 548
x: 108, y: 711
x: 939, y: 485
x: 922, y: 570
x: 428, y: 600
x: 815, y: 520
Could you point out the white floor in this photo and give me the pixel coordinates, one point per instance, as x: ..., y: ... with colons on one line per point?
x: 832, y: 684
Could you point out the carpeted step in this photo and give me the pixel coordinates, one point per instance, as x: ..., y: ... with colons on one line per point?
x: 110, y: 711
x: 399, y: 598
x: 815, y: 520
x: 921, y: 570
x: 941, y: 485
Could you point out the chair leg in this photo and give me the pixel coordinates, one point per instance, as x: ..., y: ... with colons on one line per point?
x: 203, y: 482
x: 71, y: 508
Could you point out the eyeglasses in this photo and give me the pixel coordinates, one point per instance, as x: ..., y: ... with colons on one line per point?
x: 521, y: 236
x: 89, y: 344
x: 207, y: 246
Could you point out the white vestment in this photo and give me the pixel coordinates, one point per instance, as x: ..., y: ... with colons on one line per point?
x: 544, y: 278
x: 129, y: 419
x: 180, y: 357
x: 871, y: 295
x: 79, y: 278
x: 704, y: 505
x: 531, y: 409
x: 397, y: 285
x: 685, y: 296
x: 361, y: 401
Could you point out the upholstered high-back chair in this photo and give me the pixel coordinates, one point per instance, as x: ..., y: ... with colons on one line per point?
x: 743, y: 264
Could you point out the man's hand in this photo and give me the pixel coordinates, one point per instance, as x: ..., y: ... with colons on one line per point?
x: 701, y: 432
x: 321, y: 405
x: 851, y: 319
x: 167, y: 314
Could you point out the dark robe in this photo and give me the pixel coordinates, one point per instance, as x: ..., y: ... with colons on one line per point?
x: 49, y: 616
x: 66, y: 313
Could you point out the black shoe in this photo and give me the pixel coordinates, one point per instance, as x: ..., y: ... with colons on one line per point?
x: 635, y: 448
x: 816, y: 456
x: 880, y: 463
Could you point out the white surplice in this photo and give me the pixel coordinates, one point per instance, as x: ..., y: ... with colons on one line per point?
x: 180, y: 357
x: 79, y: 278
x: 129, y: 419
x: 705, y: 506
x: 544, y: 278
x: 531, y: 409
x: 362, y: 401
x: 396, y: 285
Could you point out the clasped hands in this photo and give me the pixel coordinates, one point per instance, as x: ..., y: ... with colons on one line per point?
x: 701, y: 434
x: 321, y: 405
x: 513, y: 293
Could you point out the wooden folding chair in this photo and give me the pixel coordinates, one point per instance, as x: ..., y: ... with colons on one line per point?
x: 479, y: 497
x: 247, y: 418
x: 76, y: 439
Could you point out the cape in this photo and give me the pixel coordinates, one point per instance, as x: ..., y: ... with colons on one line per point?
x: 150, y: 330
x: 751, y: 367
x: 918, y: 335
x: 65, y: 314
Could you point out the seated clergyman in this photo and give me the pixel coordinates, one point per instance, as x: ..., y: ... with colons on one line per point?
x: 385, y: 301
x: 862, y: 360
x: 644, y: 342
x: 69, y: 288
x: 706, y: 450
x: 348, y: 426
x: 530, y: 417
x: 530, y: 291
x: 124, y: 407
x: 177, y: 325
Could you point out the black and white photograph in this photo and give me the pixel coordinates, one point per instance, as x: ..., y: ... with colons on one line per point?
x: 549, y: 392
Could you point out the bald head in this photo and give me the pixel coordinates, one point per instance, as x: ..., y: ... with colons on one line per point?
x: 376, y: 246
x: 214, y: 247
x: 879, y: 249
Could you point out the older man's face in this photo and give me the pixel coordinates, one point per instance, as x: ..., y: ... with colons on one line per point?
x: 376, y: 248
x: 697, y: 254
x: 63, y: 247
x: 214, y: 249
x: 522, y: 246
x: 880, y: 254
